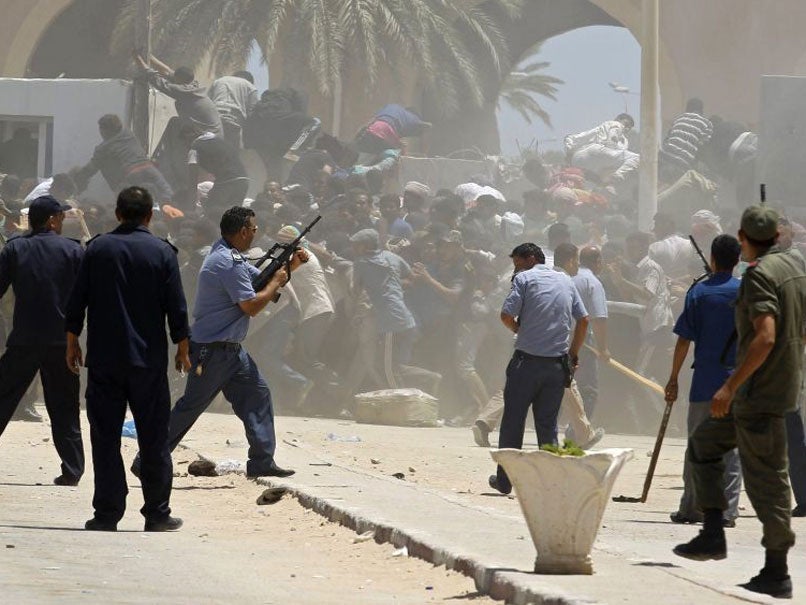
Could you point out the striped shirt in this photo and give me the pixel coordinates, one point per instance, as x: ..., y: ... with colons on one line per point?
x: 689, y: 132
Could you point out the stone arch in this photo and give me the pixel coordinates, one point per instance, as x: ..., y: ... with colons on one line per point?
x: 25, y: 28
x: 541, y: 20
x: 77, y: 42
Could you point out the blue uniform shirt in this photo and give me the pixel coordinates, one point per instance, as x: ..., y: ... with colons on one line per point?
x: 225, y: 280
x: 592, y: 293
x: 128, y: 284
x: 708, y: 321
x: 41, y: 267
x: 546, y: 303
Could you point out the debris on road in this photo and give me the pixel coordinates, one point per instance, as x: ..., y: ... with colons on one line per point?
x: 202, y: 468
x: 271, y: 495
x: 365, y: 537
x: 401, y: 552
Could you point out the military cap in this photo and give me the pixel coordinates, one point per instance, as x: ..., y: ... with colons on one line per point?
x: 760, y: 223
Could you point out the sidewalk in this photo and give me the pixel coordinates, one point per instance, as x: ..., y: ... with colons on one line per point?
x: 444, y: 512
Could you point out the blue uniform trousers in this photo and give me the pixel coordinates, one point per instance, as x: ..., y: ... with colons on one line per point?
x: 536, y: 382
x: 146, y: 391
x: 18, y: 368
x: 230, y: 370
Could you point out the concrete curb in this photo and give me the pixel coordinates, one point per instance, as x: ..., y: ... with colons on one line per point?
x: 500, y: 583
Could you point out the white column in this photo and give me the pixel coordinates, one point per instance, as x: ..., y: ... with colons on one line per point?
x: 142, y: 92
x: 338, y: 99
x: 650, y: 114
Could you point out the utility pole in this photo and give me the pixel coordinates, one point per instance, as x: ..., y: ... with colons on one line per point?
x: 142, y: 43
x: 650, y: 114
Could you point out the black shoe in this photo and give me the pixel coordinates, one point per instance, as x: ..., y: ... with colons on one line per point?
x: 493, y: 481
x: 799, y: 511
x: 272, y: 471
x: 96, y: 524
x: 66, y: 480
x: 27, y: 414
x: 704, y: 547
x: 682, y: 519
x: 166, y: 524
x: 729, y: 523
x: 135, y: 467
x: 481, y: 433
x: 778, y: 587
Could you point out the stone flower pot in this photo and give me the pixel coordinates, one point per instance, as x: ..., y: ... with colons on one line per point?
x: 563, y: 499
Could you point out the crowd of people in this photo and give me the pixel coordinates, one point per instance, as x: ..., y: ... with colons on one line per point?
x: 407, y: 286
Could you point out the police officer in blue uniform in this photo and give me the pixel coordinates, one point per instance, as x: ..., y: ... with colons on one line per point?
x: 41, y: 267
x: 541, y: 310
x: 225, y: 300
x: 128, y: 284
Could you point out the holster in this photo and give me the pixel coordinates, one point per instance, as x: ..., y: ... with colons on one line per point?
x: 569, y: 369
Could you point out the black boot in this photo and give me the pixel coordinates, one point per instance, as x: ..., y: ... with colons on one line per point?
x: 710, y: 542
x: 774, y: 578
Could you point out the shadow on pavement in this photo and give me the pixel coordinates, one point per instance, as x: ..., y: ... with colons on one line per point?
x: 80, y: 529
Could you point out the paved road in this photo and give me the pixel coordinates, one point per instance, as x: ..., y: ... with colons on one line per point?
x: 443, y: 503
x: 230, y: 550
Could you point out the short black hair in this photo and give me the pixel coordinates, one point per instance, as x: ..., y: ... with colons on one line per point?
x: 558, y: 233
x: 235, y: 219
x: 726, y: 251
x: 695, y: 105
x: 664, y: 218
x: 589, y: 256
x: 63, y: 182
x: 535, y: 172
x: 625, y: 117
x: 110, y: 123
x: 134, y: 204
x: 10, y: 186
x: 245, y: 75
x: 183, y: 75
x: 390, y: 200
x: 564, y: 253
x: 527, y: 250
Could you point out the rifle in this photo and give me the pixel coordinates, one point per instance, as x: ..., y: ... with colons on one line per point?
x: 283, y: 252
x: 705, y: 264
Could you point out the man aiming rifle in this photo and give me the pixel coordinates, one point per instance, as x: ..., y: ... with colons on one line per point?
x: 283, y: 259
x: 229, y: 292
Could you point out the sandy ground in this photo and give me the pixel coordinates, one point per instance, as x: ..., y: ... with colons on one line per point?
x: 230, y: 551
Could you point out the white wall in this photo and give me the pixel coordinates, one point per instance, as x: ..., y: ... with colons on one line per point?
x: 75, y: 106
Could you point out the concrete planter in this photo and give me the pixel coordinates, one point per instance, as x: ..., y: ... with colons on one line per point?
x: 563, y: 499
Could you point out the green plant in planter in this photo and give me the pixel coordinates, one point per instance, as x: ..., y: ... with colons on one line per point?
x: 568, y: 448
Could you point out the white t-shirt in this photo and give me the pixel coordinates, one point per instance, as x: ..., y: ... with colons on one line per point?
x: 658, y: 312
x: 673, y: 254
x: 310, y: 286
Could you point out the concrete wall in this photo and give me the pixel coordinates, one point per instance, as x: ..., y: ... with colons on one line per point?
x: 74, y: 107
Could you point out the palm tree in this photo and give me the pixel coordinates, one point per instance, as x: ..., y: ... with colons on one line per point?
x: 520, y: 88
x: 450, y: 43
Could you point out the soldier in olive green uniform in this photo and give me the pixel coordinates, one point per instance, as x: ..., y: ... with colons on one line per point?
x: 748, y: 411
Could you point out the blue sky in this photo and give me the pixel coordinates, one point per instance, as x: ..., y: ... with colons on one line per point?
x: 586, y: 59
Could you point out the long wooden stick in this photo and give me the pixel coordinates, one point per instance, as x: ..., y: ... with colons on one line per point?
x: 654, y: 386
x: 661, y: 432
